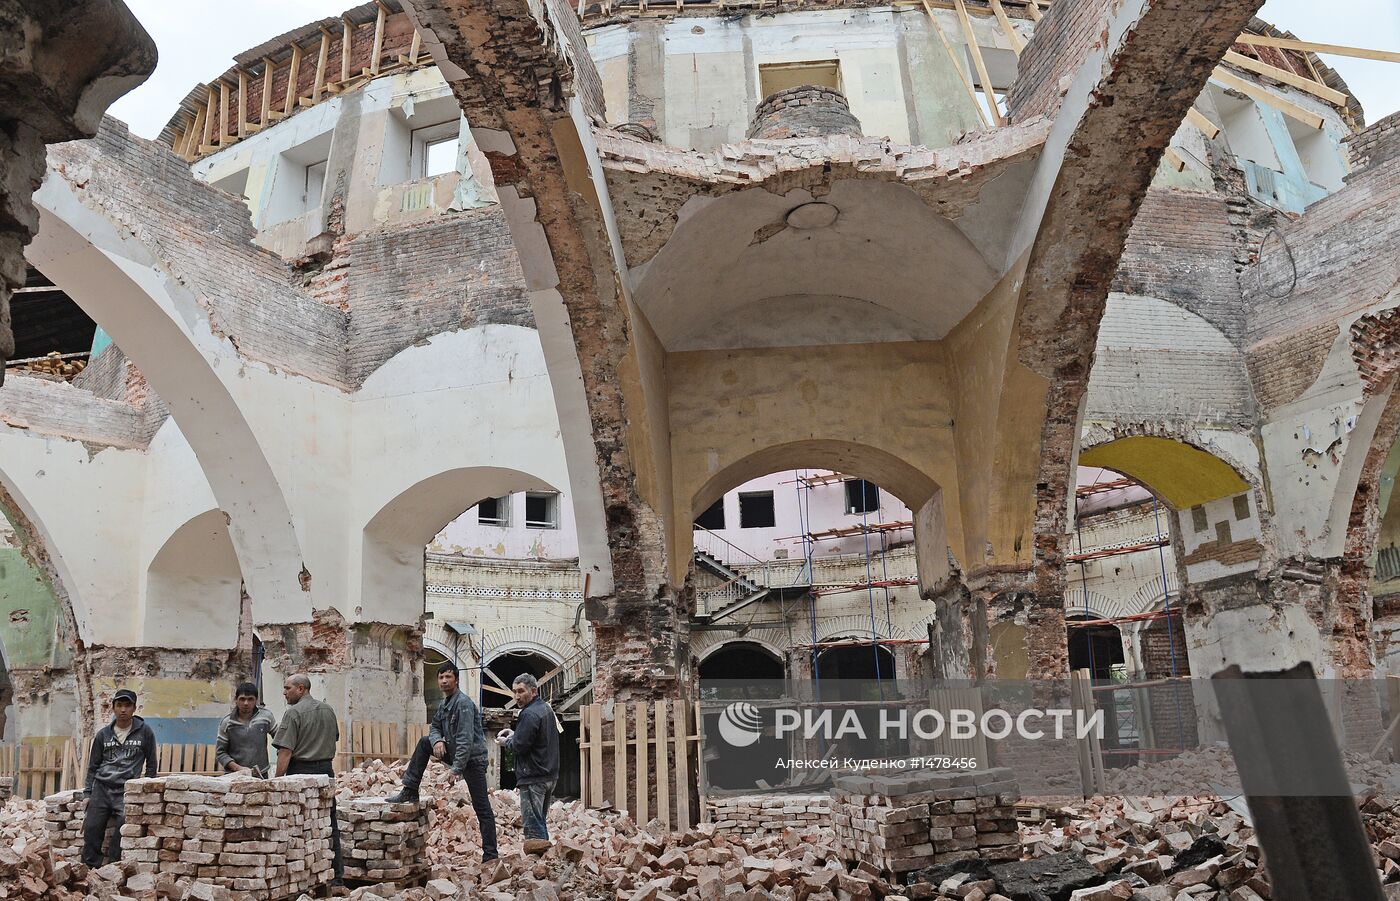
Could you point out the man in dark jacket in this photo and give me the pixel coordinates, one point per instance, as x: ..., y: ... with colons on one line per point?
x: 241, y: 744
x: 118, y: 752
x: 535, y: 743
x: 458, y: 739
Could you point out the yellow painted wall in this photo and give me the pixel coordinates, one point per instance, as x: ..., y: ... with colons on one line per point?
x: 1180, y: 474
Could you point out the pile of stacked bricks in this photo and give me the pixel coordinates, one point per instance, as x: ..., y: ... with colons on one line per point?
x: 271, y: 837
x: 383, y: 842
x: 751, y: 814
x: 64, y: 813
x: 904, y: 822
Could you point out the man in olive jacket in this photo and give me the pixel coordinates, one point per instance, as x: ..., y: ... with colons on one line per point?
x: 458, y: 739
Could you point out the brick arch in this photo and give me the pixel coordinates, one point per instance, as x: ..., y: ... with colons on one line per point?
x: 1099, y: 606
x: 855, y: 624
x: 535, y: 639
x: 1149, y: 594
x: 705, y: 643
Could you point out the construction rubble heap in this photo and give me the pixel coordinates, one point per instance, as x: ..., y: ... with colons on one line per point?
x: 1192, y: 848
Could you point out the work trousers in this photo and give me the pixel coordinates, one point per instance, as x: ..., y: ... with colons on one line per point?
x: 534, y: 808
x: 106, y: 812
x: 323, y: 768
x: 475, y: 777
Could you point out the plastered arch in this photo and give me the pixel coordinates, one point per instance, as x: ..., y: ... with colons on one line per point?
x: 535, y: 639
x: 164, y: 329
x: 193, y: 587
x: 1099, y: 606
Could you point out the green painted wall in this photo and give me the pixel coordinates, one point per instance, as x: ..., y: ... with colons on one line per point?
x: 29, y: 616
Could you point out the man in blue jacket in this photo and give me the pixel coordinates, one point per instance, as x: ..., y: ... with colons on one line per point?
x: 118, y: 752
x: 535, y: 743
x: 458, y: 739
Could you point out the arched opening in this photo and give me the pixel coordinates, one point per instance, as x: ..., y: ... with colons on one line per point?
x: 432, y: 694
x: 856, y: 658
x: 194, y: 587
x: 500, y: 673
x: 742, y: 660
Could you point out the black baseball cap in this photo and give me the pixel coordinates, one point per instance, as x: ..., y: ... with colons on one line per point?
x: 124, y: 694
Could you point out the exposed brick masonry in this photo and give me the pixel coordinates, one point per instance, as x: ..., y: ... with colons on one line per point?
x: 1061, y: 42
x: 1375, y: 144
x: 806, y: 111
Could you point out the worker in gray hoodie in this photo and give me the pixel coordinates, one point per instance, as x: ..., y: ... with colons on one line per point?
x: 241, y: 744
x: 119, y: 750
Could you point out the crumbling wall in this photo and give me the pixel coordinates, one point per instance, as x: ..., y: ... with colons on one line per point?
x: 1061, y: 43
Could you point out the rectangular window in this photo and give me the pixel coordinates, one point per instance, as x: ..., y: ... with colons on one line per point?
x: 1222, y: 532
x: 1198, y: 519
x: 756, y: 510
x: 1241, y: 506
x: 541, y: 510
x: 862, y: 496
x: 494, y: 511
x: 315, y: 184
x: 713, y: 518
x: 434, y: 150
x: 775, y: 77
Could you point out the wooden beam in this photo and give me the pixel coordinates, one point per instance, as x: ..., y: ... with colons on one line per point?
x: 1336, y: 98
x: 957, y: 65
x: 223, y: 112
x: 293, y: 76
x: 378, y: 40
x: 208, y: 137
x: 192, y: 148
x: 1198, y: 119
x: 1017, y: 45
x: 1259, y: 40
x: 242, y: 103
x: 970, y: 38
x: 1034, y: 9
x: 1267, y: 97
x: 347, y: 41
x: 268, y: 69
x: 1174, y: 160
x: 320, y: 82
x: 414, y: 47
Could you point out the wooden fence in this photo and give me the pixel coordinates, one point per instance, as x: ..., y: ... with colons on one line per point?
x: 43, y: 769
x: 646, y: 761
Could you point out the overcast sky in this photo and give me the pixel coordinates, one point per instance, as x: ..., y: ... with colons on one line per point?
x: 193, y: 49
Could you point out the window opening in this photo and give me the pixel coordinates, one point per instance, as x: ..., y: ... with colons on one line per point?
x: 862, y: 496
x: 713, y: 517
x: 494, y: 511
x: 775, y: 77
x: 756, y: 510
x: 541, y: 510
x: 315, y: 184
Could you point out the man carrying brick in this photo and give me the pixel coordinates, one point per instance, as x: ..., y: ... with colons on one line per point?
x: 305, y: 743
x: 535, y: 743
x: 118, y: 751
x: 241, y: 745
x: 458, y: 739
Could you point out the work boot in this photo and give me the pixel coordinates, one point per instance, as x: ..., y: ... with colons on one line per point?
x: 406, y: 795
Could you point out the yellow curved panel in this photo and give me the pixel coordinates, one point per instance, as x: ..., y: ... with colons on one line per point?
x: 1179, y: 474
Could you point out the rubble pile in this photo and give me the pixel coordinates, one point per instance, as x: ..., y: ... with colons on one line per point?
x: 269, y: 837
x: 383, y: 842
x: 908, y: 821
x: 1213, y: 768
x: 751, y: 814
x: 64, y: 814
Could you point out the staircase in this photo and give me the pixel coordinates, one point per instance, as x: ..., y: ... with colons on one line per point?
x: 568, y: 684
x: 747, y: 579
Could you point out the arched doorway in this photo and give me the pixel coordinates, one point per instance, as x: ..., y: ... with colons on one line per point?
x: 742, y: 660
x: 743, y: 671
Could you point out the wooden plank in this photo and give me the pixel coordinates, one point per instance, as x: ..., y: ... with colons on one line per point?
x: 679, y: 710
x: 242, y: 117
x: 208, y: 136
x: 1034, y: 9
x: 1077, y: 702
x: 642, y: 782
x: 378, y: 40
x: 1174, y: 159
x: 1267, y: 97
x: 663, y: 769
x: 970, y: 39
x: 700, y: 780
x: 347, y: 43
x: 957, y: 65
x: 293, y: 74
x: 595, y: 754
x: 583, y: 758
x: 1260, y: 40
x: 1336, y: 98
x: 414, y: 47
x: 620, y: 801
x: 224, y: 92
x: 268, y: 71
x: 320, y: 83
x: 1198, y: 119
x: 1017, y: 45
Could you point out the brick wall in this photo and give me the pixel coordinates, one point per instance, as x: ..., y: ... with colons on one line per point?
x: 1337, y: 258
x: 1376, y: 144
x: 105, y: 374
x: 204, y: 238
x: 414, y: 282
x: 1183, y: 247
x: 747, y: 815
x: 806, y: 111
x: 1062, y: 41
x: 57, y: 408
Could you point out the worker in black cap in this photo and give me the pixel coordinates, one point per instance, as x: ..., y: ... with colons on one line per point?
x: 118, y: 751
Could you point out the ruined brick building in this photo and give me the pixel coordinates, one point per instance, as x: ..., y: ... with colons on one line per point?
x: 602, y: 266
